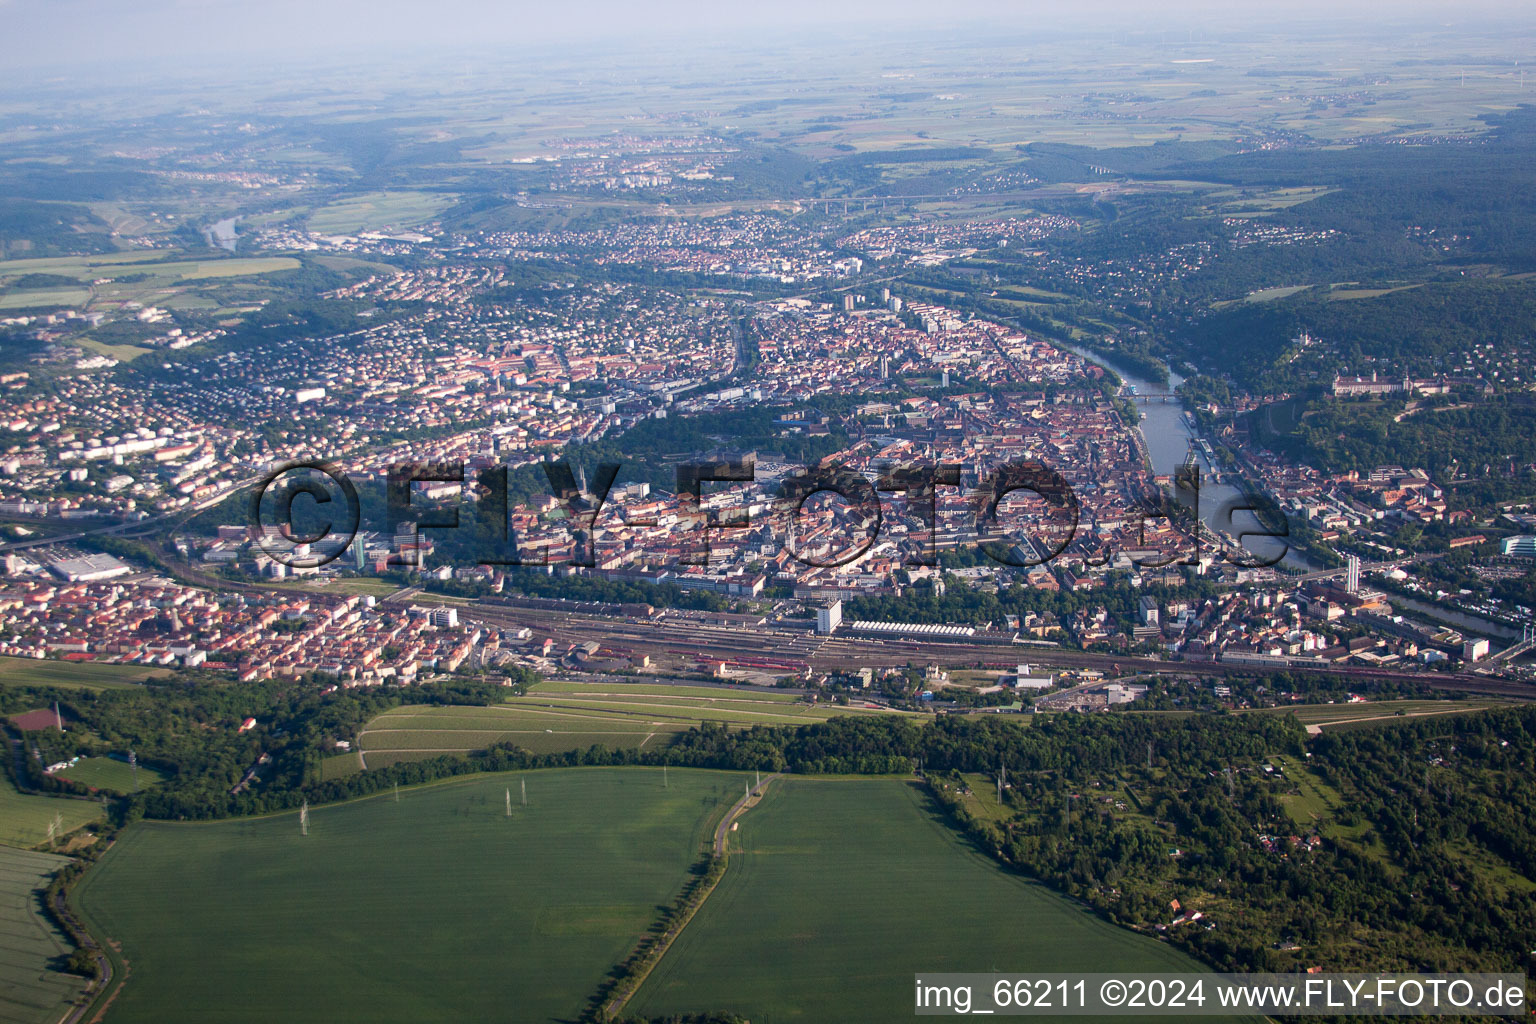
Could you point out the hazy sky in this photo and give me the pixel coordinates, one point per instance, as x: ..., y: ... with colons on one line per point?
x: 34, y: 32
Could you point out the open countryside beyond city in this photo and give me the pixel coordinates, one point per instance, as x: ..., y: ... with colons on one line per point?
x: 740, y: 515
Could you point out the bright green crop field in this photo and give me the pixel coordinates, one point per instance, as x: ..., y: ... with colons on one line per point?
x: 438, y: 907
x: 555, y: 717
x: 25, y: 817
x: 842, y: 890
x: 32, y: 990
x: 75, y: 674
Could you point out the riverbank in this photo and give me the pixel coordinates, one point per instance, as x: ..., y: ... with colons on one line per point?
x: 1166, y: 436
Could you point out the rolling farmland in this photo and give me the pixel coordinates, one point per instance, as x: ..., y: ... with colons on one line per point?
x: 438, y: 907
x: 850, y: 887
x: 31, y: 990
x: 571, y: 716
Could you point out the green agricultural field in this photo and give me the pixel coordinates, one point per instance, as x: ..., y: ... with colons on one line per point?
x: 694, y: 703
x: 131, y: 277
x: 354, y: 265
x: 1327, y: 716
x: 731, y: 711
x: 24, y: 818
x: 111, y: 774
x: 1270, y: 294
x: 379, y: 210
x: 564, y: 686
x: 428, y: 731
x: 89, y: 268
x: 1323, y: 714
x: 32, y: 990
x: 79, y: 266
x: 340, y: 766
x: 205, y: 269
x: 383, y: 759
x: 1263, y: 295
x: 1345, y: 294
x: 73, y: 674
x: 438, y: 907
x: 366, y: 586
x: 574, y: 716
x: 40, y: 298
x: 843, y: 890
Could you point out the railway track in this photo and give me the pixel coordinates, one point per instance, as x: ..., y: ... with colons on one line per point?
x: 666, y: 636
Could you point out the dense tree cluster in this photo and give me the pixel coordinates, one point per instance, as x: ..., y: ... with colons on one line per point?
x: 1481, y: 453
x: 1418, y: 331
x: 1417, y: 859
x: 191, y: 732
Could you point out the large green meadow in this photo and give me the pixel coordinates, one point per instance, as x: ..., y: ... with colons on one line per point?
x: 842, y: 890
x: 442, y: 906
x: 438, y: 907
x: 557, y: 716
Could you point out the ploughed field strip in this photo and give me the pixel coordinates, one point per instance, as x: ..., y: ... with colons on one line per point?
x: 32, y: 989
x: 553, y: 720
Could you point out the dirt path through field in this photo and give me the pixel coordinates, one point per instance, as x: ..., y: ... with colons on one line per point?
x: 746, y: 803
